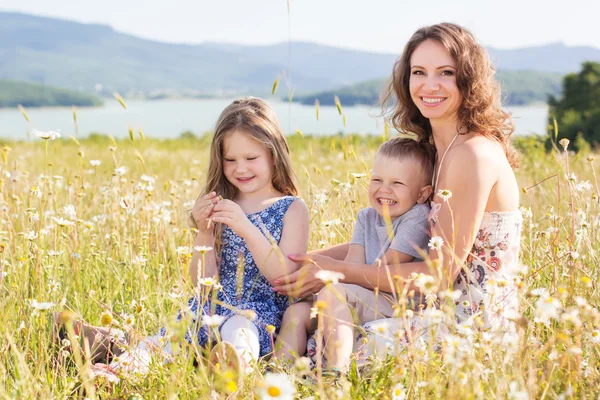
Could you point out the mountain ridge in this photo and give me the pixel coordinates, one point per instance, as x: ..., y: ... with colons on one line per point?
x: 75, y: 55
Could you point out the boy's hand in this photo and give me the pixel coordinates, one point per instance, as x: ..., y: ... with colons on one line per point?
x: 231, y: 214
x: 203, y: 210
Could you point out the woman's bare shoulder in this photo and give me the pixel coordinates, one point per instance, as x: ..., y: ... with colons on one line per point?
x: 479, y: 156
x: 478, y: 148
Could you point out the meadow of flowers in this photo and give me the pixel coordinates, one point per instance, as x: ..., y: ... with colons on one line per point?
x: 98, y: 227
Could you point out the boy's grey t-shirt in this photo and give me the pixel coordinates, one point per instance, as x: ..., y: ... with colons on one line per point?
x: 411, y: 230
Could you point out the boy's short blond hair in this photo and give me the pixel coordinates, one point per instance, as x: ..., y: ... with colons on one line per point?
x: 423, y: 152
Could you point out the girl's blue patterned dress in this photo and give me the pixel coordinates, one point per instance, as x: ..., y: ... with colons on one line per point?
x: 252, y: 291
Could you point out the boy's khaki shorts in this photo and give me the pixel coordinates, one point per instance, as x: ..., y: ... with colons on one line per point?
x: 367, y: 306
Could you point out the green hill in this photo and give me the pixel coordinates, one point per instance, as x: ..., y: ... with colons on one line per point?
x: 78, y: 56
x: 13, y: 93
x: 524, y: 87
x: 518, y: 88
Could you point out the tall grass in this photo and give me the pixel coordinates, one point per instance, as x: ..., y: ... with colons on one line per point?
x: 112, y: 238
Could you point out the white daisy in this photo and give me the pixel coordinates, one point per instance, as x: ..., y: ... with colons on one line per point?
x: 202, y: 249
x: 40, y: 306
x: 435, y: 243
x: 276, y: 386
x: 444, y: 194
x: 329, y: 277
x: 398, y: 392
x: 46, y: 134
x: 212, y: 320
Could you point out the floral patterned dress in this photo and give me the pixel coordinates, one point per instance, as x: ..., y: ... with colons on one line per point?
x: 487, y: 290
x: 245, y: 291
x: 487, y: 283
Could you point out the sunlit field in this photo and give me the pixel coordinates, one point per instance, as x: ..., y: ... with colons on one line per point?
x: 99, y: 227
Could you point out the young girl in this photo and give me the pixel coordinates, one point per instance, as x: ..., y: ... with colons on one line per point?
x: 248, y: 215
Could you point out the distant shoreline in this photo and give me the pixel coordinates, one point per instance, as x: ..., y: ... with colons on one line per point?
x: 169, y: 118
x: 108, y: 100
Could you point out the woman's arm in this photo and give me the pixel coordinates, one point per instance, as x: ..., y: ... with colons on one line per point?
x: 364, y: 279
x: 303, y: 282
x: 470, y: 178
x: 270, y: 258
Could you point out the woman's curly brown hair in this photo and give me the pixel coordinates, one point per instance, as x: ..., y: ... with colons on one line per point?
x: 480, y: 111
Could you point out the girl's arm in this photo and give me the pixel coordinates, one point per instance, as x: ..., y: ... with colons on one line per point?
x: 270, y: 260
x: 457, y: 223
x: 201, y: 212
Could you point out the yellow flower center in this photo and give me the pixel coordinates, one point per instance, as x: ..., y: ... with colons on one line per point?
x: 106, y: 318
x: 273, y: 391
x: 232, y: 386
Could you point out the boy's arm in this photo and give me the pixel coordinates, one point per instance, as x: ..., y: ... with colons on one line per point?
x: 356, y: 254
x: 337, y: 252
x: 396, y: 257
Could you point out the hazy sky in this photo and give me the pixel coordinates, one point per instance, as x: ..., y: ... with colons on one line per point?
x: 376, y: 25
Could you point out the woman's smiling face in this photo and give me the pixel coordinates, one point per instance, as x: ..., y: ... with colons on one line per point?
x: 433, y: 86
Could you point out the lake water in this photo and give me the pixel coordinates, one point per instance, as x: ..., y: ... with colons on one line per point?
x: 169, y: 118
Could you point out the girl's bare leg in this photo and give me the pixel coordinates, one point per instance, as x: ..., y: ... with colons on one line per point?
x: 295, y: 328
x: 103, y: 343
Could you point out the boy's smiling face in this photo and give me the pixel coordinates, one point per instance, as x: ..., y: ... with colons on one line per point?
x: 397, y: 184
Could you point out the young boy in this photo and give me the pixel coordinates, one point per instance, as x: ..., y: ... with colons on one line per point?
x: 398, y: 192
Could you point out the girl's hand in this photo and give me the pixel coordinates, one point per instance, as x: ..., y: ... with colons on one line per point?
x: 303, y: 282
x: 203, y: 211
x: 231, y: 214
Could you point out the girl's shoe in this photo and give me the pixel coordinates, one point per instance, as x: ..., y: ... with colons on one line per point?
x: 226, y: 366
x: 104, y: 343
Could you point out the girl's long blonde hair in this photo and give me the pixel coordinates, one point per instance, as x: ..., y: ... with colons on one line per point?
x: 256, y: 118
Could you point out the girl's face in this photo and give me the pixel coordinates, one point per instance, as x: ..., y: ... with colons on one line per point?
x: 433, y: 86
x: 247, y: 165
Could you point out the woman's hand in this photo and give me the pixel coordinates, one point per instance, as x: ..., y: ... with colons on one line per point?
x: 304, y: 282
x: 231, y: 214
x: 203, y: 210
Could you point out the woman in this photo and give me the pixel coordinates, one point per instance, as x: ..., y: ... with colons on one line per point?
x: 446, y: 93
